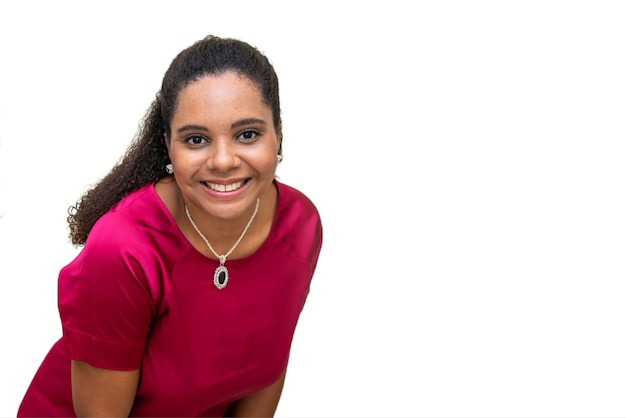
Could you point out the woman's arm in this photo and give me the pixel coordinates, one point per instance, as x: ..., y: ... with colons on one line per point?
x: 102, y: 393
x: 260, y: 404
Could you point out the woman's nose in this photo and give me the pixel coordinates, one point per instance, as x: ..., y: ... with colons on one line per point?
x: 224, y: 156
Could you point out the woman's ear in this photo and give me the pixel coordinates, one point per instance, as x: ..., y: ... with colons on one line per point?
x: 166, y: 139
x: 279, y: 137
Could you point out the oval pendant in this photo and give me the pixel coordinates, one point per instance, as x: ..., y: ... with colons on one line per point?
x: 220, y: 277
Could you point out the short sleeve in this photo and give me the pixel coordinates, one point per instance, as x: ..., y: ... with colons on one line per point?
x: 104, y: 302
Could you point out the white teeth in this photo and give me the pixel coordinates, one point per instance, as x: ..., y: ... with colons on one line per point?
x: 225, y: 188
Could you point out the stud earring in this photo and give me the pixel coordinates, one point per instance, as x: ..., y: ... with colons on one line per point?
x: 279, y: 158
x: 169, y: 168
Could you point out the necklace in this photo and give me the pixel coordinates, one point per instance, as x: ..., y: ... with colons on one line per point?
x: 220, y: 277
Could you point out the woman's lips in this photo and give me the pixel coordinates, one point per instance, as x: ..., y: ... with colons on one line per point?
x: 231, y: 187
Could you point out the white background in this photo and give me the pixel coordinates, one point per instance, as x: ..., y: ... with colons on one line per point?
x: 467, y: 159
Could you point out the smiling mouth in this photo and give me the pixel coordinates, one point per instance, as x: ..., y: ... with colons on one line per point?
x: 225, y: 187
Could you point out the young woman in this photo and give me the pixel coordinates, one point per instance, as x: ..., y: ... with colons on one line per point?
x: 196, y: 260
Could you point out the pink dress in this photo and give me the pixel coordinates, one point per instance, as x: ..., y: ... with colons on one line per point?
x: 139, y: 295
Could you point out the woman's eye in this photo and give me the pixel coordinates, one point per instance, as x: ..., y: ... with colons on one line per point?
x: 195, y: 140
x: 248, y: 136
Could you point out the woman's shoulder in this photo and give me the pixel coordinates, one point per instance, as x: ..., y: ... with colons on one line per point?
x: 136, y: 218
x: 136, y: 240
x: 298, y: 223
x: 294, y: 200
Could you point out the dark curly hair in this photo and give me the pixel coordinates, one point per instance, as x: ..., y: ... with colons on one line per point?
x: 145, y: 160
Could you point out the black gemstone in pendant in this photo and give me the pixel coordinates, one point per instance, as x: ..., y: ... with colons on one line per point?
x: 220, y: 277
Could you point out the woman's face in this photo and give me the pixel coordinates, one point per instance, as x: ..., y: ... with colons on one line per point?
x: 223, y: 145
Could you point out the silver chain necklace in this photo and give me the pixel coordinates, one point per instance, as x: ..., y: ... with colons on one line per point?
x: 220, y: 277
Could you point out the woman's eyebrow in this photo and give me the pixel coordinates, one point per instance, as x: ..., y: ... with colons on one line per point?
x: 248, y: 121
x: 192, y: 128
